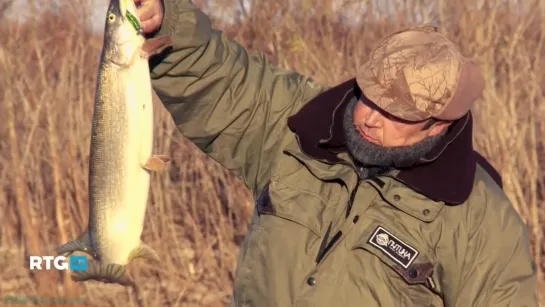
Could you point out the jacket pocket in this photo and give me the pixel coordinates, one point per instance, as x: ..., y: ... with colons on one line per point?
x: 281, y: 200
x: 297, y: 195
x: 280, y: 249
x: 406, y: 263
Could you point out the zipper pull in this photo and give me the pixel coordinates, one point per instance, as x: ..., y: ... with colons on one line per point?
x: 351, y: 200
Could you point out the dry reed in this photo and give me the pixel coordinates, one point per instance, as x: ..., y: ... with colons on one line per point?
x: 198, y: 212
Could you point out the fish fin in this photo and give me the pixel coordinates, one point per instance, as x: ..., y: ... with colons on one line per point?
x: 144, y: 251
x: 106, y: 273
x: 156, y: 163
x: 155, y: 46
x: 81, y: 244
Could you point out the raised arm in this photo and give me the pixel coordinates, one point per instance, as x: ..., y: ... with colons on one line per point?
x: 232, y: 104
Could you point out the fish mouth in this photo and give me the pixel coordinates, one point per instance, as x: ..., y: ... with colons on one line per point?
x: 127, y: 10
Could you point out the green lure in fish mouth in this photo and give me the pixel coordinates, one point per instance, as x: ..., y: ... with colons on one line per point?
x: 134, y: 22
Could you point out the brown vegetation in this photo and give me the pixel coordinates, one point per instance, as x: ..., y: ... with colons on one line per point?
x: 198, y: 210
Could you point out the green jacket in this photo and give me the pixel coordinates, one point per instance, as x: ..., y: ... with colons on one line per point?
x: 443, y: 234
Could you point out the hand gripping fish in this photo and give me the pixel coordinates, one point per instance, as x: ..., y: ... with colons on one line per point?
x: 121, y: 150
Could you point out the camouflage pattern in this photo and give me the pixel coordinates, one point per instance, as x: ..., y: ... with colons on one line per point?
x: 413, y: 74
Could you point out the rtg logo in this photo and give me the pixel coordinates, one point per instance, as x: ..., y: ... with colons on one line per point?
x: 76, y: 263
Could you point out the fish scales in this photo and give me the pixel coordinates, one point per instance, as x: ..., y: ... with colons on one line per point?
x: 116, y: 181
x: 121, y: 157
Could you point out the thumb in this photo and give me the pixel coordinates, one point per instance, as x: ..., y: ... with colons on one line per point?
x: 146, y: 11
x: 152, y: 24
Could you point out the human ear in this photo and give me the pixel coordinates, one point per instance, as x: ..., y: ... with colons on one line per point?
x: 438, y: 127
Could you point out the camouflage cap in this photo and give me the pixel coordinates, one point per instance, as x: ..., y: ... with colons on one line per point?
x: 417, y: 73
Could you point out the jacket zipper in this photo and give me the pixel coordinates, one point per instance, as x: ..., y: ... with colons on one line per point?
x: 326, y: 246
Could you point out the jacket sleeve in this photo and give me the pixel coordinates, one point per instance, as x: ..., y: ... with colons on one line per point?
x: 499, y: 270
x: 232, y: 104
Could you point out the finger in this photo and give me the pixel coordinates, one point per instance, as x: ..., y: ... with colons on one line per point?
x: 145, y: 13
x: 146, y: 10
x: 152, y: 24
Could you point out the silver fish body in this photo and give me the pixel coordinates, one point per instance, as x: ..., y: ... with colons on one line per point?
x: 121, y: 142
x: 121, y: 151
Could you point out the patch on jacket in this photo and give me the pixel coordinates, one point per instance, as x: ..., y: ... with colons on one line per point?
x: 393, y: 247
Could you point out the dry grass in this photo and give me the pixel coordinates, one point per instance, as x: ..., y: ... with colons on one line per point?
x: 198, y: 211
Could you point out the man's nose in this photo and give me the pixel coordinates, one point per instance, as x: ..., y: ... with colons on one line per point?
x: 373, y: 119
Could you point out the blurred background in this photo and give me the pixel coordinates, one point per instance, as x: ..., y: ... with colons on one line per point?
x: 198, y: 212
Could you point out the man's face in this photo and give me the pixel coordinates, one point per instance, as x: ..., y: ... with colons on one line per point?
x: 385, y: 130
x: 379, y: 141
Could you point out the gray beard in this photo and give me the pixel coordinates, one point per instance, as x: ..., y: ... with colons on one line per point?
x: 372, y: 159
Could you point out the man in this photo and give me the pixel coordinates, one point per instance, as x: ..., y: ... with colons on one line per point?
x: 368, y: 193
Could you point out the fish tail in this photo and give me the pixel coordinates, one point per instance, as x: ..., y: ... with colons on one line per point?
x: 144, y: 251
x: 81, y: 244
x: 107, y: 273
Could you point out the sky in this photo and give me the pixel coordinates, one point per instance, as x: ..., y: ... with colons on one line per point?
x: 20, y: 8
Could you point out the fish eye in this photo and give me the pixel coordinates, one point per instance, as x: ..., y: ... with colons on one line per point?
x: 111, y: 17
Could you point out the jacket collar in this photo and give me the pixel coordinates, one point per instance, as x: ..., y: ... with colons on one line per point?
x: 447, y: 173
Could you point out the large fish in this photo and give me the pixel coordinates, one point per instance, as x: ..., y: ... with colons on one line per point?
x: 121, y: 150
